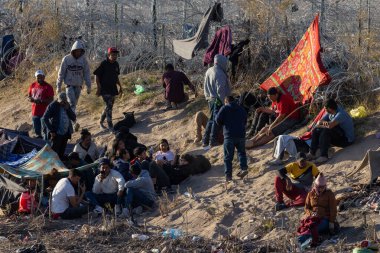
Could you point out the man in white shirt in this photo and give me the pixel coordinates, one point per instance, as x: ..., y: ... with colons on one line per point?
x: 108, y: 188
x: 65, y: 203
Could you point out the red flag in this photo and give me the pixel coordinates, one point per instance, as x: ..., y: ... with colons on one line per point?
x: 302, y: 72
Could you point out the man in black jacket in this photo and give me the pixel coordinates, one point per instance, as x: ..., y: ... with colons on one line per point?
x: 57, y: 118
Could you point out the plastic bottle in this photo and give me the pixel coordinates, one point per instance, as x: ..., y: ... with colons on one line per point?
x: 172, y: 233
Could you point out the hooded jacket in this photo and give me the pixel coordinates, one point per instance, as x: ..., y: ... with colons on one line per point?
x: 144, y: 183
x: 216, y: 84
x: 233, y: 118
x: 74, y: 71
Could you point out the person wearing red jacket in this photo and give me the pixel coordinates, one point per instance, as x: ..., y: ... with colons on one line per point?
x: 40, y: 94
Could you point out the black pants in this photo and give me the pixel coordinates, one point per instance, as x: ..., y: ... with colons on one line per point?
x: 74, y: 212
x: 59, y: 143
x: 162, y: 179
x: 324, y: 137
x: 259, y: 121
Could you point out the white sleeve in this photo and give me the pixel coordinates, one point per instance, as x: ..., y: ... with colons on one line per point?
x: 119, y: 179
x: 69, y: 189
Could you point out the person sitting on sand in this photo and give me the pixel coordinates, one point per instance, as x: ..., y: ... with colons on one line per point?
x: 108, y: 188
x: 139, y: 191
x: 164, y: 156
x: 335, y: 128
x: 121, y: 163
x: 173, y: 82
x: 159, y: 177
x: 320, y: 213
x: 294, y: 181
x: 65, y: 203
x: 286, y: 113
x: 86, y: 148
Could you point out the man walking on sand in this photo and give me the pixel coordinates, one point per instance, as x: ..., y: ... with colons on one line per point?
x: 73, y: 72
x: 107, y: 77
x: 233, y: 118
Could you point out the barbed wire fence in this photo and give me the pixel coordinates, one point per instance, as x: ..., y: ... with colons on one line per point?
x: 144, y: 31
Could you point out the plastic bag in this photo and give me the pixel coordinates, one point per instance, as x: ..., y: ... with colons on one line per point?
x: 139, y: 89
x: 359, y: 112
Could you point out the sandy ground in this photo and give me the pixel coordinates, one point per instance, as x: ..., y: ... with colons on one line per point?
x: 242, y: 208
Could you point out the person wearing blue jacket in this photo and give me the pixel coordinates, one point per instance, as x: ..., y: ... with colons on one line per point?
x: 57, y: 118
x: 233, y: 118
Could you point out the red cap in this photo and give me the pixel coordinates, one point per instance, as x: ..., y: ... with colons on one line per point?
x: 112, y: 50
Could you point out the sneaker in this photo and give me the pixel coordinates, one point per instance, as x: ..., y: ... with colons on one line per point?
x: 228, y: 178
x: 276, y: 161
x: 117, y: 209
x: 124, y: 213
x: 76, y: 127
x: 310, y: 156
x: 98, y: 210
x: 280, y: 206
x: 321, y: 159
x: 138, y: 210
x: 205, y: 148
x: 306, y: 244
x: 242, y: 173
x: 102, y: 126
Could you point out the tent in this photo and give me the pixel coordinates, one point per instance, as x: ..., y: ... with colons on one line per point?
x: 302, y: 72
x: 371, y: 163
x: 9, y: 191
x: 24, y: 143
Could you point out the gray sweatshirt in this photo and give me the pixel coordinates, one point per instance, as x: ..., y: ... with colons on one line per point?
x: 74, y: 71
x: 216, y: 84
x: 144, y: 183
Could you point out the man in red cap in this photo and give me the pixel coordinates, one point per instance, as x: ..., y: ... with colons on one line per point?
x: 107, y: 79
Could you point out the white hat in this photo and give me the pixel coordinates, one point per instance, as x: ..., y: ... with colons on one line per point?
x: 39, y: 72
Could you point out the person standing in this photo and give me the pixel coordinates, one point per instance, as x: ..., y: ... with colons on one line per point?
x: 107, y: 79
x: 73, y: 72
x: 216, y: 88
x: 40, y: 94
x: 233, y: 118
x: 57, y: 119
x: 173, y: 81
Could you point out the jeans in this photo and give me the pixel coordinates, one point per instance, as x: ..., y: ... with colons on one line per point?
x: 212, y: 128
x: 259, y: 121
x: 103, y: 198
x: 73, y: 93
x: 109, y: 100
x: 37, y: 125
x: 59, y: 144
x: 134, y: 197
x: 74, y: 212
x: 324, y: 137
x: 323, y: 227
x: 229, y: 150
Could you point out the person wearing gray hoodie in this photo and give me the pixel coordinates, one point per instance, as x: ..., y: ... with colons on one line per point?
x: 73, y: 72
x: 216, y: 88
x: 139, y: 191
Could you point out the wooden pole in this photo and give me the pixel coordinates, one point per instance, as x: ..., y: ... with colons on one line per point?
x: 154, y: 22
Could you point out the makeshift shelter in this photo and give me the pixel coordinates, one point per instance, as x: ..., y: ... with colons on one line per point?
x: 371, y: 163
x: 9, y: 191
x: 187, y: 48
x: 302, y: 72
x: 23, y: 143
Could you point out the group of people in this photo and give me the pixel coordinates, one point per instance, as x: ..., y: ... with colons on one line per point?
x: 55, y: 120
x: 131, y: 176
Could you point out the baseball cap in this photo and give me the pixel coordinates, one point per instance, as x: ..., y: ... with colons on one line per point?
x: 39, y: 73
x: 301, y: 156
x: 112, y: 50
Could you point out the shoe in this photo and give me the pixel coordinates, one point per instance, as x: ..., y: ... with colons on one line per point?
x: 125, y: 213
x: 306, y: 244
x: 98, y: 210
x: 102, y: 126
x: 205, y: 148
x: 242, y: 173
x: 197, y: 140
x: 117, y: 209
x: 76, y: 127
x: 168, y: 108
x: 138, y: 210
x: 276, y: 161
x: 228, y: 178
x: 280, y: 206
x: 321, y: 159
x: 310, y: 156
